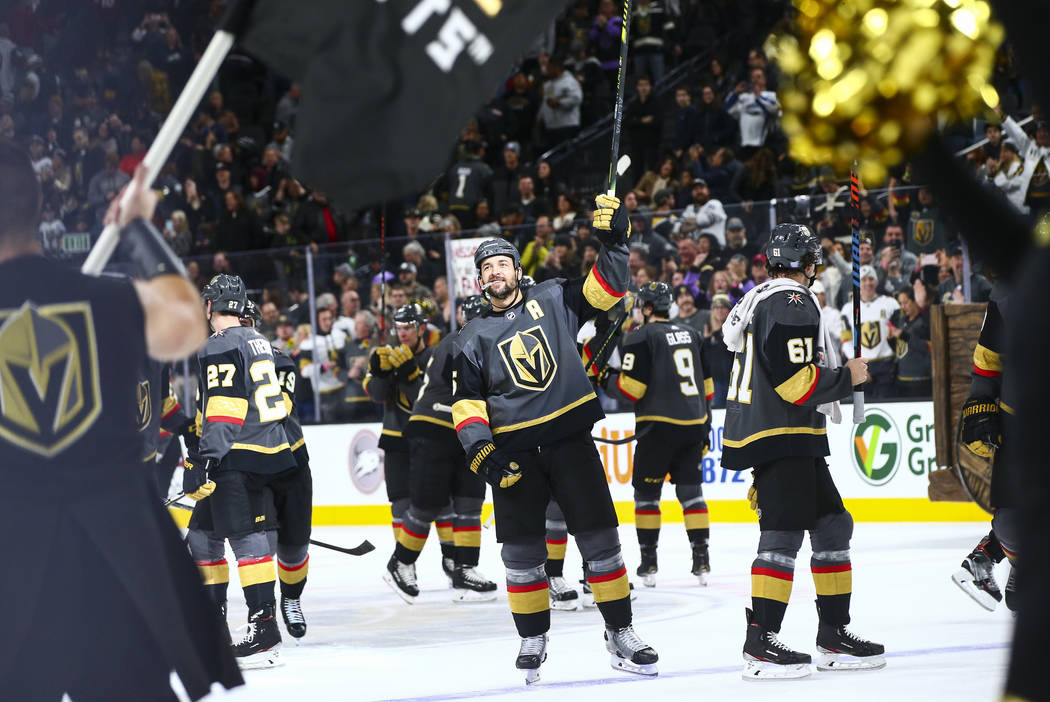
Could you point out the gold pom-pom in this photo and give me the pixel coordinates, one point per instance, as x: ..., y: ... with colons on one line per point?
x: 868, y: 80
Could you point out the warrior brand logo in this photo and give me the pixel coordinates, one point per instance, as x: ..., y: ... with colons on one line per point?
x: 49, y: 376
x: 528, y: 357
x: 876, y: 448
x: 145, y: 406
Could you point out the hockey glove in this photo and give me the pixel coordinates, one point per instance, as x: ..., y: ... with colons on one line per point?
x: 492, y: 465
x: 379, y: 364
x: 752, y: 497
x: 612, y: 226
x: 706, y: 442
x: 980, y: 426
x: 195, y: 481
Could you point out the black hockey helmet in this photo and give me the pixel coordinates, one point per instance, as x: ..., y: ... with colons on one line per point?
x: 410, y: 314
x: 657, y: 294
x: 789, y: 244
x: 226, y: 294
x: 473, y: 306
x: 252, y: 314
x: 496, y: 247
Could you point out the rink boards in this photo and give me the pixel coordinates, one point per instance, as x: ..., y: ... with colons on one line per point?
x: 880, y: 468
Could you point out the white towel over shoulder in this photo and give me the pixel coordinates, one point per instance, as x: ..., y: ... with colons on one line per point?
x: 740, y: 317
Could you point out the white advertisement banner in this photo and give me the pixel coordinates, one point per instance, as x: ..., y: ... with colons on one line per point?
x: 460, y: 256
x: 888, y: 456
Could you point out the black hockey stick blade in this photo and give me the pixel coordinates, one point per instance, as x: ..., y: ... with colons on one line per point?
x: 359, y: 550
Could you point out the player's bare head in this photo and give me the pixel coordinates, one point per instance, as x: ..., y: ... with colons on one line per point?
x: 20, y: 193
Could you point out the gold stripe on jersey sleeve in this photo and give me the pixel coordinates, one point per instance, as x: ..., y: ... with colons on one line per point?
x: 635, y: 389
x: 799, y: 385
x: 391, y: 432
x: 670, y: 420
x: 709, y: 387
x: 222, y: 406
x: 731, y: 443
x: 298, y: 444
x: 256, y: 448
x: 170, y: 403
x: 463, y: 410
x: 151, y: 457
x: 597, y: 292
x: 547, y: 417
x: 432, y: 420
x: 986, y: 359
x: 1007, y: 408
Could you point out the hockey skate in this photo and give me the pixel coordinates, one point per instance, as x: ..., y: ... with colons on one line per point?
x: 531, y: 655
x: 468, y: 585
x: 261, y: 645
x: 766, y: 658
x: 630, y: 653
x: 976, y: 578
x: 647, y: 568
x: 292, y: 613
x: 448, y: 566
x: 1011, y: 591
x: 563, y: 597
x: 401, y: 577
x: 841, y: 649
x: 701, y: 563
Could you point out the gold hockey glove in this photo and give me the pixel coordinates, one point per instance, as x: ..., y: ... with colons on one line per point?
x: 612, y: 226
x: 195, y: 483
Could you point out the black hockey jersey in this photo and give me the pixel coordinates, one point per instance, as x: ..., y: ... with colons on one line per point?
x: 663, y: 373
x: 469, y: 182
x: 432, y: 411
x: 988, y: 361
x: 287, y: 377
x: 160, y: 414
x: 397, y: 393
x: 518, y: 379
x: 776, y: 384
x: 242, y: 404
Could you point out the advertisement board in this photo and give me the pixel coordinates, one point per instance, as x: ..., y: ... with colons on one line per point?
x: 879, y: 466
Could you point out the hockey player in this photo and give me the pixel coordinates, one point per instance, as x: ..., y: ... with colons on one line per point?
x: 775, y: 423
x: 663, y: 373
x: 394, y: 378
x: 876, y: 345
x: 243, y: 458
x: 292, y: 495
x: 80, y: 516
x: 439, y: 474
x: 523, y: 409
x: 986, y: 429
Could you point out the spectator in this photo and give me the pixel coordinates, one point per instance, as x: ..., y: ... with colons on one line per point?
x: 559, y: 115
x: 759, y: 272
x: 704, y: 215
x: 643, y: 120
x: 406, y: 278
x: 288, y: 106
x: 1009, y: 175
x: 658, y: 247
x: 1035, y: 178
x: 131, y: 160
x: 684, y: 121
x: 893, y: 238
x: 349, y: 306
x: 829, y: 315
x: 756, y: 110
x: 531, y: 206
x: 522, y: 104
x: 718, y: 170
x: 285, y: 333
x: 736, y: 241
x: 909, y: 327
x: 536, y: 251
x: 105, y: 185
x: 178, y: 235
x: 566, y: 217
x: 688, y: 314
x: 282, y: 141
x: 427, y: 270
x: 561, y: 262
x: 652, y: 29
x: 238, y: 229
x: 653, y: 181
x: 52, y: 230
x: 320, y: 222
x: 875, y: 313
x: 756, y: 182
x: 505, y: 178
x: 717, y: 356
x: 927, y: 232
x: 713, y: 127
x: 951, y: 288
x: 319, y: 359
x: 605, y: 39
x: 270, y: 317
x: 547, y: 189
x: 468, y: 181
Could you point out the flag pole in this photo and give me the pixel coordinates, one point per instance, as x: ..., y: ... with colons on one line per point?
x: 169, y: 134
x: 854, y: 197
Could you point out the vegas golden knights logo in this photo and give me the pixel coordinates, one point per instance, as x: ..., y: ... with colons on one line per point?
x: 49, y: 376
x: 145, y: 406
x: 923, y: 231
x: 529, y: 360
x: 870, y: 334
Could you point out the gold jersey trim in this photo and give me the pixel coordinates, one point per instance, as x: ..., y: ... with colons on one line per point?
x: 260, y: 449
x: 432, y: 420
x: 731, y: 443
x: 547, y: 417
x: 671, y: 420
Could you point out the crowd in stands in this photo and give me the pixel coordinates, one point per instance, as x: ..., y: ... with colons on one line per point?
x: 85, y: 89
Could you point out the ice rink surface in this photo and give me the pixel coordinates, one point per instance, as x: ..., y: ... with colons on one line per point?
x: 364, y: 643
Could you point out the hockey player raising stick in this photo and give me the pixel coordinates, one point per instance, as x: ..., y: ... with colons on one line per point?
x: 439, y: 474
x: 523, y: 409
x: 781, y: 386
x: 663, y: 374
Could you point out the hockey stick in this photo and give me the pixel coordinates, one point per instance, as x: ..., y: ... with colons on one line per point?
x: 854, y: 196
x: 616, y: 164
x: 624, y: 440
x: 359, y: 550
x: 382, y: 274
x: 180, y: 115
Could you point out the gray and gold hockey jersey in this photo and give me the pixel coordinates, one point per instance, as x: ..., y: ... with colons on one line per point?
x: 518, y: 379
x: 662, y: 372
x: 432, y: 412
x: 776, y: 384
x: 397, y: 393
x: 242, y: 404
x: 287, y: 378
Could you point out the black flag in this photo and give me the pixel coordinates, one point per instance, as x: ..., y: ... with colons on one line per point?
x: 388, y: 85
